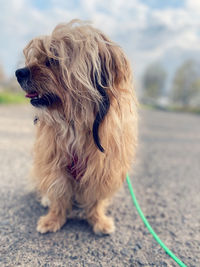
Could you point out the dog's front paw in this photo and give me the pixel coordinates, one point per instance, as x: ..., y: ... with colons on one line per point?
x: 104, y: 226
x: 49, y: 224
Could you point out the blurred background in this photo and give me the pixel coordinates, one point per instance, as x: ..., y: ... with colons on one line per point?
x: 161, y: 38
x: 162, y: 41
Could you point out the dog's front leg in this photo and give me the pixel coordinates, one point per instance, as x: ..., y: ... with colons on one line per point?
x: 96, y: 215
x: 59, y: 205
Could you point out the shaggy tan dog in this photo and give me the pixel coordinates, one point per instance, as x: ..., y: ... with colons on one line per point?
x: 80, y: 84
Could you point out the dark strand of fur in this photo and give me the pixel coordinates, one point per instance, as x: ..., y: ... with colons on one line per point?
x: 103, y: 110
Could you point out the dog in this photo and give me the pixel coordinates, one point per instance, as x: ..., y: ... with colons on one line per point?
x: 81, y: 87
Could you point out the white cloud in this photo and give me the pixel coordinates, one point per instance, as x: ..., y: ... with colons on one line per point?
x: 145, y: 33
x: 193, y: 5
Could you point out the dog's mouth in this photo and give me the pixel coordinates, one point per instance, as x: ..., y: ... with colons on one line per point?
x: 32, y: 95
x: 45, y: 100
x: 38, y: 100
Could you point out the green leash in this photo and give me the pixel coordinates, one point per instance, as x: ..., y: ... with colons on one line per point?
x: 166, y: 249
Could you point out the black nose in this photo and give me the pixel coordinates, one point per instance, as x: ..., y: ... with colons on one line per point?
x: 22, y: 74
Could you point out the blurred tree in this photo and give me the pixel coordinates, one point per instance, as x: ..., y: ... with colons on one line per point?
x: 153, y: 82
x: 186, y: 84
x: 2, y: 74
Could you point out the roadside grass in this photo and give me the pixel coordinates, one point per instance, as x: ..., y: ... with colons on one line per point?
x: 12, y: 98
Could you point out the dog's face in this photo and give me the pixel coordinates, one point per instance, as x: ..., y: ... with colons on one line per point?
x: 76, y: 70
x: 29, y: 79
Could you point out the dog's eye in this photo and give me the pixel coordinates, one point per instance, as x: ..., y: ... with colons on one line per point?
x: 51, y: 62
x: 47, y: 63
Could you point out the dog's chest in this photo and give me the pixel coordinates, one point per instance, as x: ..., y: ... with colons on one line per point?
x: 62, y: 146
x: 77, y: 167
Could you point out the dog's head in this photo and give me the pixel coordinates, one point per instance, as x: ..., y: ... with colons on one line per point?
x: 76, y: 70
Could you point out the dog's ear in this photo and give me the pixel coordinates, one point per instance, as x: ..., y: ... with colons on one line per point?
x: 103, y: 108
x: 115, y: 73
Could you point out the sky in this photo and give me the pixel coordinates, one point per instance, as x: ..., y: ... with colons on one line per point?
x: 148, y: 30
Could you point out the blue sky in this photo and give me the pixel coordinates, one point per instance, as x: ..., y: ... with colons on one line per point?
x: 47, y: 4
x: 162, y: 4
x: 148, y: 30
x: 156, y: 4
x: 41, y: 5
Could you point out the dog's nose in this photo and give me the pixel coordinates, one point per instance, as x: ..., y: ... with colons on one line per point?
x: 22, y: 74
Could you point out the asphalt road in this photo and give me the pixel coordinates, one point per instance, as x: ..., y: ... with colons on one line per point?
x: 166, y: 181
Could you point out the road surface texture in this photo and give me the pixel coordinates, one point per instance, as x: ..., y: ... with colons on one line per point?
x: 166, y: 181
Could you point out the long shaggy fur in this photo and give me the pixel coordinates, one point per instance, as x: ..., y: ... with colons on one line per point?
x: 74, y: 63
